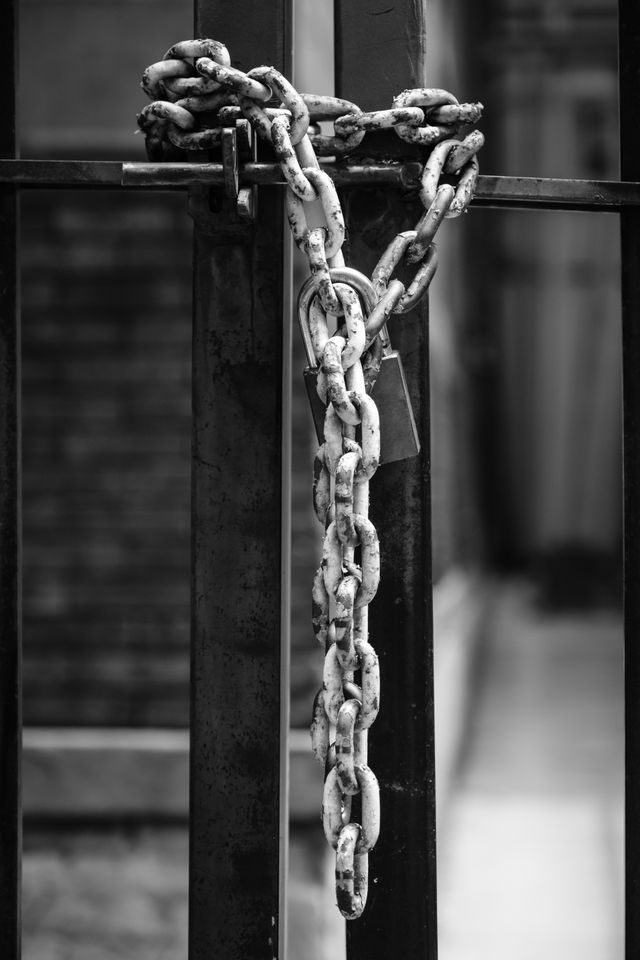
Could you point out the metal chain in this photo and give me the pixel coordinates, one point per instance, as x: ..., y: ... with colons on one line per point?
x: 196, y: 93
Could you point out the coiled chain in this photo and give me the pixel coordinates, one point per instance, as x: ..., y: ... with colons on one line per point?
x: 196, y: 92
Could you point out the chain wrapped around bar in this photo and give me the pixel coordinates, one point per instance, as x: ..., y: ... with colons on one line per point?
x: 196, y: 92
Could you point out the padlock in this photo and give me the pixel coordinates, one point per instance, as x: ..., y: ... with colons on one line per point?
x: 399, y: 438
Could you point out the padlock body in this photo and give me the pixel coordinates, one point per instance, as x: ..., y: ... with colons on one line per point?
x: 398, y: 432
x: 399, y: 438
x: 317, y: 406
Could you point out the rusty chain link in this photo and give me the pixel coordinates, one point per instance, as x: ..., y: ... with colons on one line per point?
x: 196, y: 94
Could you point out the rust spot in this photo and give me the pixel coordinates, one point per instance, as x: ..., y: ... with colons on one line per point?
x: 345, y: 901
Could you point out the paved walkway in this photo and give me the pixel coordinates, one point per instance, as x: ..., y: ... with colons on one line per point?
x: 532, y: 845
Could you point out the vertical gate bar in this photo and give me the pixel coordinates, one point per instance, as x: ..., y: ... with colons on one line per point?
x: 380, y: 52
x: 629, y: 78
x: 10, y: 616
x: 285, y: 583
x: 237, y: 713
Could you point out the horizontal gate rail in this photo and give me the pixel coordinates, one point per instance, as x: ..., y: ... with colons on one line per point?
x: 240, y: 552
x: 491, y: 191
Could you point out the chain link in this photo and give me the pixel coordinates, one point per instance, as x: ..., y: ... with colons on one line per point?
x: 196, y: 93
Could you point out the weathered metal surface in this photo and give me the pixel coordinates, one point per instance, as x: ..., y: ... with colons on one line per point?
x: 491, y: 191
x: 261, y: 174
x: 10, y: 615
x: 394, y: 296
x: 629, y: 66
x: 420, y: 116
x: 556, y: 194
x: 236, y: 523
x: 63, y: 173
x: 334, y: 224
x: 114, y: 173
x: 401, y: 916
x: 344, y: 588
x: 237, y: 806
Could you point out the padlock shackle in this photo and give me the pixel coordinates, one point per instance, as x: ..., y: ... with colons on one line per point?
x: 353, y: 278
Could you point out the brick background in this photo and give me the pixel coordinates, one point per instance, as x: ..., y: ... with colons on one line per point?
x: 106, y: 395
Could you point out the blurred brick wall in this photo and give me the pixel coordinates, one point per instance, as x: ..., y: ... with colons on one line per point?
x: 106, y: 395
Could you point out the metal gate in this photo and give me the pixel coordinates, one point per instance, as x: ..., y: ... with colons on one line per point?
x: 244, y: 592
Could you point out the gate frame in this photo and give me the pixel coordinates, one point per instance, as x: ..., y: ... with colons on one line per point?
x: 239, y: 639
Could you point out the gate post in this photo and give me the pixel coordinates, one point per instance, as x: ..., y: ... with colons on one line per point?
x: 629, y: 71
x: 400, y: 918
x: 10, y: 548
x: 240, y: 549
